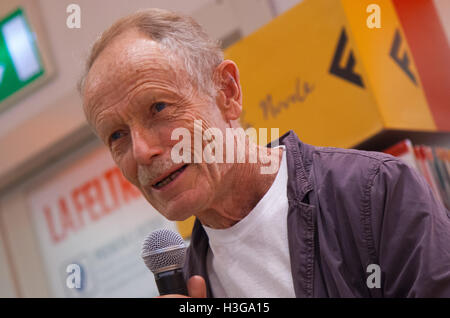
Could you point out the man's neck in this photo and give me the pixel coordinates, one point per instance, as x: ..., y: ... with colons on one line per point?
x: 243, y: 187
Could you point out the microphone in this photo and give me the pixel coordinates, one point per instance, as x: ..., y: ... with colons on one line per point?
x: 164, y: 252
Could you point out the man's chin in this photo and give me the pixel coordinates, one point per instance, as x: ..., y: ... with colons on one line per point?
x: 176, y: 214
x: 179, y: 210
x: 182, y: 206
x: 176, y: 217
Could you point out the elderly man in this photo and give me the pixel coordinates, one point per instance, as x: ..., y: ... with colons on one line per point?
x: 328, y: 223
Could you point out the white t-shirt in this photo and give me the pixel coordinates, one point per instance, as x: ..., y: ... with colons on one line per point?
x: 251, y: 258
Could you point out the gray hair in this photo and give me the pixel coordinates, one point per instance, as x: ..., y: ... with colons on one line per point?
x: 181, y: 35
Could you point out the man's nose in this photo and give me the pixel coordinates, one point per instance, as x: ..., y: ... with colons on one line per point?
x: 146, y: 146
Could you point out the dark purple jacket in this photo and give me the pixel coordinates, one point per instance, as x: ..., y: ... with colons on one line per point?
x: 349, y: 209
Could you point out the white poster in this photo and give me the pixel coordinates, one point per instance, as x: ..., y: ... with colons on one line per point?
x: 90, y: 216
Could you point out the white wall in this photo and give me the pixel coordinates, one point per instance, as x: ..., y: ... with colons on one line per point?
x: 24, y: 254
x: 7, y: 286
x: 443, y: 10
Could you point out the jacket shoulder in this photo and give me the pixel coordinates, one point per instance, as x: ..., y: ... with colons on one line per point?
x: 361, y: 155
x: 348, y: 167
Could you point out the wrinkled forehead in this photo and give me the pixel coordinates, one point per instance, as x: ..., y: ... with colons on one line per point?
x: 130, y: 60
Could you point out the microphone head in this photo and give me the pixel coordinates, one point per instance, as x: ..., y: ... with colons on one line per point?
x: 163, y: 250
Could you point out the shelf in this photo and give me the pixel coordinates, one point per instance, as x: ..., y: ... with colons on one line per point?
x: 387, y: 138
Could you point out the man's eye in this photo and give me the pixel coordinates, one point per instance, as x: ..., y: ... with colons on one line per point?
x: 157, y: 107
x: 115, y: 135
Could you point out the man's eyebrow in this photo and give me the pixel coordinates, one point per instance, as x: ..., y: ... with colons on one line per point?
x: 152, y: 94
x: 144, y: 97
x: 104, y: 122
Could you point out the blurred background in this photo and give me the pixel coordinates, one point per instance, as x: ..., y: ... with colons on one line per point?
x: 371, y: 75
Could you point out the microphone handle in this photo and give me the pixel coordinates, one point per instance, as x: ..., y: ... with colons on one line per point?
x: 171, y: 282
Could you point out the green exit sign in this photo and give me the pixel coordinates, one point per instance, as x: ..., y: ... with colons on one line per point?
x: 20, y: 63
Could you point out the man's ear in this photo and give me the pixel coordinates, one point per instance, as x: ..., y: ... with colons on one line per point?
x: 229, y: 97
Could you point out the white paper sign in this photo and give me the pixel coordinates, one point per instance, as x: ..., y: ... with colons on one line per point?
x: 89, y: 215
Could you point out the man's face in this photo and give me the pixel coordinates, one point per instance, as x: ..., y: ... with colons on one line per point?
x: 134, y: 98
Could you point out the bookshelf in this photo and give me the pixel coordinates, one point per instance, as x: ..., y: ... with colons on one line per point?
x: 389, y: 137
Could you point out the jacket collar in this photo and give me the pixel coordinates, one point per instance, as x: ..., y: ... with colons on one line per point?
x: 299, y: 159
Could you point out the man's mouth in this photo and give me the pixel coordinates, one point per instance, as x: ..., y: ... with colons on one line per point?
x: 160, y: 184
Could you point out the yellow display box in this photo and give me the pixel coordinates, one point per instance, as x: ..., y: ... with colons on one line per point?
x: 320, y: 70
